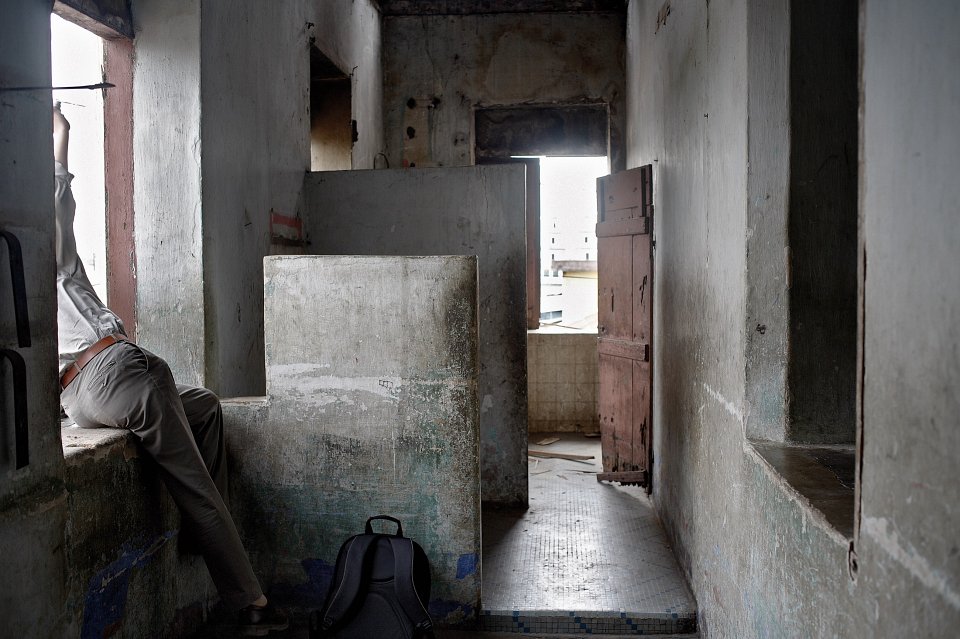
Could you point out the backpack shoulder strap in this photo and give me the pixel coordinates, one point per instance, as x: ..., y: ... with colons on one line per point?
x: 345, y: 592
x: 406, y: 590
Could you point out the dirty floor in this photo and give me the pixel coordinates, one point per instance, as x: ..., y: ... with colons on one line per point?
x: 585, y: 558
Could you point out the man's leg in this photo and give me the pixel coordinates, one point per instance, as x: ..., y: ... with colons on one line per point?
x: 203, y: 413
x: 129, y: 387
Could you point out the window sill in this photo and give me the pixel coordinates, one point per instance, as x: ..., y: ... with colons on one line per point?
x: 824, y: 476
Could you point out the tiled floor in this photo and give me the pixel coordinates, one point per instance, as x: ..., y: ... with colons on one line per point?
x: 587, y: 557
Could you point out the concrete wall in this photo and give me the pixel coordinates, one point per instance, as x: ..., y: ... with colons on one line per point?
x: 256, y: 126
x: 32, y: 499
x: 127, y: 575
x: 373, y: 409
x: 167, y: 173
x: 767, y: 316
x: 563, y: 380
x: 172, y: 212
x: 452, y: 64
x: 760, y: 560
x: 228, y: 85
x: 474, y: 211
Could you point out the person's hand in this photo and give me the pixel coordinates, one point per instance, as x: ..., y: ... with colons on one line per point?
x: 61, y: 135
x: 60, y: 122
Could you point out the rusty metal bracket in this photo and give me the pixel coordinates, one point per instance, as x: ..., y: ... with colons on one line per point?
x: 21, y: 430
x: 19, y: 288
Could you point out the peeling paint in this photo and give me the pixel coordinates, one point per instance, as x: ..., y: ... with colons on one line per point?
x: 106, y: 599
x: 467, y: 564
x: 449, y: 612
x: 377, y: 417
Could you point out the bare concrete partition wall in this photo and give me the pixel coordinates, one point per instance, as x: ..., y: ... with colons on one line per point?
x: 760, y: 560
x: 452, y: 64
x: 32, y: 498
x: 373, y: 409
x: 473, y: 211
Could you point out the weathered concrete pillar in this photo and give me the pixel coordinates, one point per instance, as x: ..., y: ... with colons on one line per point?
x: 32, y: 501
x: 373, y: 409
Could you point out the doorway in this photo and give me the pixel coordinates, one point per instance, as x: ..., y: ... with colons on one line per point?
x: 555, y: 565
x: 331, y: 126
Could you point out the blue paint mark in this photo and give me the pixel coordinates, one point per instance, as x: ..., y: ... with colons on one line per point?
x: 466, y: 565
x: 106, y: 598
x: 441, y: 609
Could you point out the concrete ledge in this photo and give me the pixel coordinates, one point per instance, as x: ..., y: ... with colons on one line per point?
x: 81, y: 443
x: 805, y: 507
x: 125, y: 573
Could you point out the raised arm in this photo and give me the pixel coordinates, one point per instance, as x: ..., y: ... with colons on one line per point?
x: 61, y: 136
x: 66, y: 246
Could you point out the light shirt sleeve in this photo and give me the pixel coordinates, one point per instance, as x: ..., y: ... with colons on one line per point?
x: 82, y: 318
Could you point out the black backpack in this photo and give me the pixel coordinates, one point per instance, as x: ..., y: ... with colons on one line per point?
x: 380, y: 590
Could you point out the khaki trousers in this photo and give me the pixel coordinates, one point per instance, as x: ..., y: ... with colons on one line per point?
x: 181, y: 428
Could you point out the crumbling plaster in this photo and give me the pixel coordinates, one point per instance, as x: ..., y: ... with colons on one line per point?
x: 459, y: 63
x: 760, y: 560
x: 373, y: 408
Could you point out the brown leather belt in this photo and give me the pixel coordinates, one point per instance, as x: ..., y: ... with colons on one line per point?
x: 74, y: 369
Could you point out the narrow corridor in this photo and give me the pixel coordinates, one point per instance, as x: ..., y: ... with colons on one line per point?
x: 586, y: 557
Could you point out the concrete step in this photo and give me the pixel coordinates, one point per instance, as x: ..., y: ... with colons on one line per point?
x: 553, y: 622
x: 480, y: 634
x: 221, y: 629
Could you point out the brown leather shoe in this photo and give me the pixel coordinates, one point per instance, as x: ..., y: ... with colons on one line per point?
x: 259, y: 621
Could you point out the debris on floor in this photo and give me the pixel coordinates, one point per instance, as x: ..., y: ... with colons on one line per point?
x: 552, y: 455
x: 561, y: 566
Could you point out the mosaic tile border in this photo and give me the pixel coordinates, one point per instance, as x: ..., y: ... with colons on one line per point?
x: 587, y: 623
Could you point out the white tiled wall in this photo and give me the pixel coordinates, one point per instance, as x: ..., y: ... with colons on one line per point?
x: 562, y: 381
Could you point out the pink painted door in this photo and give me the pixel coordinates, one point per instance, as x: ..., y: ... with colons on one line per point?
x: 625, y: 324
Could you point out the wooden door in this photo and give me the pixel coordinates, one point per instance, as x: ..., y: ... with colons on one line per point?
x: 625, y: 324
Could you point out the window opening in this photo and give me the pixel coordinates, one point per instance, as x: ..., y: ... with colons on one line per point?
x: 817, y: 455
x: 76, y: 58
x: 822, y: 227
